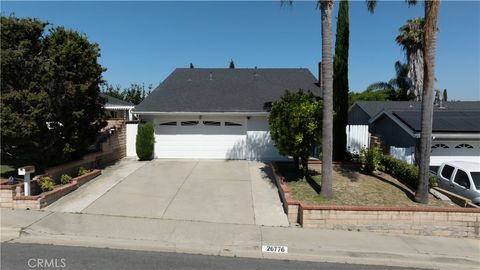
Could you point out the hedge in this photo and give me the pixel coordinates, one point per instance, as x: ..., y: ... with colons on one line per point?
x: 404, y: 172
x: 145, y: 141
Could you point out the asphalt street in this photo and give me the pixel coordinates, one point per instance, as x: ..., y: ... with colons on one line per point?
x: 35, y: 256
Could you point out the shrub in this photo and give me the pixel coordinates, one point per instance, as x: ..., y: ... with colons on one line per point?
x: 403, y: 171
x: 65, y: 179
x: 370, y: 159
x: 46, y: 183
x: 82, y: 171
x: 145, y: 141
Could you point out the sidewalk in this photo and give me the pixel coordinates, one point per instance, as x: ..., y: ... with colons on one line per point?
x: 195, y: 237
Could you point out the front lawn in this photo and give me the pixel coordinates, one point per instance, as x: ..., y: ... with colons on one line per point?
x: 7, y: 171
x: 352, y: 187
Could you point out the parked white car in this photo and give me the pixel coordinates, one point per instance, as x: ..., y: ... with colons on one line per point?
x: 461, y: 178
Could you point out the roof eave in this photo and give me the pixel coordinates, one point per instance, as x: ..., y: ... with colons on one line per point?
x: 201, y: 113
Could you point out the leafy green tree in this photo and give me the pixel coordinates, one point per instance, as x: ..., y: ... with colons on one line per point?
x: 370, y: 94
x: 232, y: 64
x: 73, y: 80
x: 135, y: 93
x: 50, y: 107
x: 295, y: 125
x: 113, y: 91
x: 445, y: 95
x: 145, y: 141
x: 24, y: 105
x: 340, y: 82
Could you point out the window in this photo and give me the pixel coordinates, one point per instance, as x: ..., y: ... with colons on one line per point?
x: 189, y: 123
x: 211, y: 123
x: 476, y: 179
x: 461, y: 178
x: 464, y: 145
x: 168, y: 124
x: 440, y: 145
x: 447, y: 171
x: 230, y: 124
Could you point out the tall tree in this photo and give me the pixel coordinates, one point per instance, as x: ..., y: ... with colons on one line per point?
x: 340, y: 82
x: 326, y: 7
x: 50, y: 107
x: 24, y: 103
x: 73, y: 78
x: 411, y: 39
x: 429, y: 49
x: 445, y: 95
x: 191, y: 65
x: 231, y: 64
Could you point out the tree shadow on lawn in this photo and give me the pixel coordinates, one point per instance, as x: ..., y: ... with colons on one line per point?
x: 410, y: 194
x: 349, y: 171
x: 290, y: 174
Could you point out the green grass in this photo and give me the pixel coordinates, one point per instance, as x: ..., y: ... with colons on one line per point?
x: 7, y: 171
x: 351, y: 187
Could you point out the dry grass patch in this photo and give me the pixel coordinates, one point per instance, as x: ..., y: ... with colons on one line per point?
x: 352, y: 187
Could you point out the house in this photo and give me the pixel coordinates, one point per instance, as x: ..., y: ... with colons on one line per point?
x: 117, y: 109
x: 455, y: 130
x: 219, y: 113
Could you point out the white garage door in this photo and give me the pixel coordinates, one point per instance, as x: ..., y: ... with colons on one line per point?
x: 443, y: 151
x: 200, y: 138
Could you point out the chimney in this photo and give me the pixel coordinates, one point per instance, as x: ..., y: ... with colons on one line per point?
x: 320, y: 75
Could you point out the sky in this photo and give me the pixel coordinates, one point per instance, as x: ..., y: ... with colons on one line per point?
x: 143, y: 42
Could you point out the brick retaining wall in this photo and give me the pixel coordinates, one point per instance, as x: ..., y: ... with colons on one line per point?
x: 454, y: 222
x: 10, y: 199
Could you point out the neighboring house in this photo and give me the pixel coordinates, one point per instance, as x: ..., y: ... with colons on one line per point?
x: 117, y: 109
x: 455, y: 131
x: 219, y: 113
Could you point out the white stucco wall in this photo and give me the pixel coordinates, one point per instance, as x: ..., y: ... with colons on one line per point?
x: 259, y: 145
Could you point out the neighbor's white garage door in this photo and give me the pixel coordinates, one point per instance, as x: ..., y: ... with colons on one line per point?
x: 200, y: 138
x: 443, y: 151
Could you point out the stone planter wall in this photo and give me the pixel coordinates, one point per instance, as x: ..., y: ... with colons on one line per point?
x: 454, y: 222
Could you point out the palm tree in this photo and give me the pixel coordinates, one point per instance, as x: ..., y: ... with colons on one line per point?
x: 411, y: 40
x: 398, y: 87
x: 326, y: 7
x: 429, y: 48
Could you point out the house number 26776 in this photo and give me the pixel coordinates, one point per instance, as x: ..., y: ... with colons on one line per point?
x: 274, y: 249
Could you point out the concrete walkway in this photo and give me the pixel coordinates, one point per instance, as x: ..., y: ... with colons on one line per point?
x: 78, y: 200
x: 243, y: 240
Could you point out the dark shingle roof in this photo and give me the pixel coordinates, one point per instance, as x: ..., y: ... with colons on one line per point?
x: 113, y: 101
x: 443, y: 121
x: 372, y: 108
x: 225, y: 90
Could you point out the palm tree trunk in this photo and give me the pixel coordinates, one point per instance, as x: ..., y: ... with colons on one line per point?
x: 327, y: 124
x: 431, y: 16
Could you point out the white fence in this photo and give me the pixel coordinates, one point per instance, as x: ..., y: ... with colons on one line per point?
x: 131, y: 139
x: 357, y: 138
x: 405, y: 154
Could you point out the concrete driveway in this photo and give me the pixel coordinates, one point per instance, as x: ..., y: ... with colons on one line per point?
x: 238, y: 192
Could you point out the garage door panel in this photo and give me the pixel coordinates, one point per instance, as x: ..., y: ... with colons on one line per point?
x: 200, y: 141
